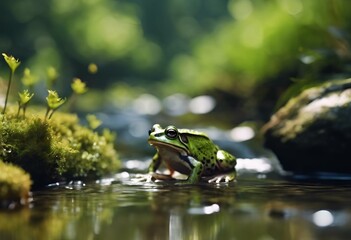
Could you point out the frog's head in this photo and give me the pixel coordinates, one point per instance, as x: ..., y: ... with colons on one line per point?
x: 184, y: 141
x: 169, y: 137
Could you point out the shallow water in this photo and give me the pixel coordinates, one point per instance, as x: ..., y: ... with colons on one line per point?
x: 257, y: 206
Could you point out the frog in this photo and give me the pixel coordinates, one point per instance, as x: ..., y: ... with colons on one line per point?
x: 191, y: 153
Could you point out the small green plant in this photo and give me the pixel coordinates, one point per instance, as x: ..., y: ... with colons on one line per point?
x: 28, y: 80
x: 13, y: 63
x: 24, y: 98
x: 54, y: 102
x: 52, y: 76
x: 92, y: 68
x: 93, y: 121
x: 78, y: 86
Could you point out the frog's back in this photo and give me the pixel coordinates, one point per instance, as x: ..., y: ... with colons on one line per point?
x: 193, y: 132
x: 214, y: 159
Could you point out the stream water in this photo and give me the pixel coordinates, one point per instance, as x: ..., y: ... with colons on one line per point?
x: 259, y: 205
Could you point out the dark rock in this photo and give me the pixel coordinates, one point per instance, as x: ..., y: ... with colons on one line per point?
x: 312, y: 132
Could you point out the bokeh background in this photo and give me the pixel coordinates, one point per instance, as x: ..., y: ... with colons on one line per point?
x: 206, y: 62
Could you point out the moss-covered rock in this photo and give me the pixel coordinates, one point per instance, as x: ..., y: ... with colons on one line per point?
x: 312, y: 132
x: 56, y: 149
x: 14, y: 185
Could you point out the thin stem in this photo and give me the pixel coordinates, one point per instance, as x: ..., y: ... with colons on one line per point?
x: 47, y: 113
x: 24, y: 111
x: 7, y: 92
x: 19, y: 109
x: 70, y: 102
x: 52, y: 112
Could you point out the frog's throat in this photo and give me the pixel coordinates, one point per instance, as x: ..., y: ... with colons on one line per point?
x: 158, y: 144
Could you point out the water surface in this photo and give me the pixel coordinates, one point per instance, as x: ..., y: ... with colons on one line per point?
x: 255, y: 207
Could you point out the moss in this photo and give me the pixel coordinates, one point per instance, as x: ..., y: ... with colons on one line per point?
x: 14, y: 184
x: 310, y: 107
x: 55, y: 149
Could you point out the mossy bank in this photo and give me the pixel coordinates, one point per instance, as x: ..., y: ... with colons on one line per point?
x: 14, y: 185
x: 56, y: 149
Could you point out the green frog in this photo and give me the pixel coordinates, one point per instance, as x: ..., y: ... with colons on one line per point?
x: 191, y: 153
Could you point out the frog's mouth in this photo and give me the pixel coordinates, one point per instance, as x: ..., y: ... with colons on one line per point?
x: 158, y: 145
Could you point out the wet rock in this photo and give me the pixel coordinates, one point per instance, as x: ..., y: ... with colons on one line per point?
x: 312, y: 132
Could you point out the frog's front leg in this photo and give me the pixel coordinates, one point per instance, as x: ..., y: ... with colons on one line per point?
x: 151, y: 175
x: 196, y: 171
x: 155, y: 164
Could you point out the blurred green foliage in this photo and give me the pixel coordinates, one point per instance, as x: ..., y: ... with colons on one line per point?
x: 233, y: 46
x: 267, y: 40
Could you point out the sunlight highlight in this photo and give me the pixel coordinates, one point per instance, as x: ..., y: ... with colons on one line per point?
x: 206, y: 210
x: 147, y: 104
x: 256, y: 165
x: 202, y: 104
x: 333, y: 100
x: 241, y: 9
x: 242, y: 133
x: 323, y: 218
x: 292, y: 7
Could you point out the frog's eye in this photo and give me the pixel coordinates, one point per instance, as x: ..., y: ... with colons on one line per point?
x: 171, y: 132
x: 151, y: 130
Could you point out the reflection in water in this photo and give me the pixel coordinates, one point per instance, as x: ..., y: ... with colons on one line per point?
x: 118, y: 208
x: 204, y: 210
x: 175, y: 226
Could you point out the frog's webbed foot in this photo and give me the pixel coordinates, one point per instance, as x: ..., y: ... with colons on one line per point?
x: 226, y: 177
x: 143, y: 178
